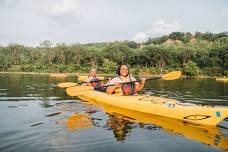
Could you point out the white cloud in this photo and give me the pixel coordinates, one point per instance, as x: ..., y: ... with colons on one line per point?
x: 63, y: 12
x: 64, y: 8
x: 139, y: 37
x: 160, y: 27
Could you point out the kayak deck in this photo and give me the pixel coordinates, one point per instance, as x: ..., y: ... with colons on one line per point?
x: 170, y: 108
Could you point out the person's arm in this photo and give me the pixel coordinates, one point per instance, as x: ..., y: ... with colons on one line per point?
x: 111, y: 89
x: 139, y: 86
x: 87, y: 81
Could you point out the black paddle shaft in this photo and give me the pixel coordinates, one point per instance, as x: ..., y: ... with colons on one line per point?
x: 105, y: 86
x: 96, y: 80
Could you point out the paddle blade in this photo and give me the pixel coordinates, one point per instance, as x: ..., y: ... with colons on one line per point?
x: 66, y: 84
x: 172, y: 75
x: 75, y: 91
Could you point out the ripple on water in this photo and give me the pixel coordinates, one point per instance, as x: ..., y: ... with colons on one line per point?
x: 3, y: 92
x: 15, y: 140
x: 74, y: 106
x: 17, y: 98
x: 3, y: 89
x: 87, y: 139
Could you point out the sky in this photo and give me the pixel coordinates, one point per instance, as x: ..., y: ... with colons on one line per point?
x: 29, y: 22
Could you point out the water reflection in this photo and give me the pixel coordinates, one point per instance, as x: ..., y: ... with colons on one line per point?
x: 120, y: 127
x: 77, y: 121
x: 122, y: 121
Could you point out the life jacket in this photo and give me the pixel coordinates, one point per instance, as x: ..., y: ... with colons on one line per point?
x: 128, y: 88
x: 96, y: 83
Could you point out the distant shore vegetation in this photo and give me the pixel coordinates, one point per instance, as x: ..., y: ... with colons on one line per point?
x: 194, y: 54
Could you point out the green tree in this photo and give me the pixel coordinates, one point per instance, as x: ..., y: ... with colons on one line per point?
x: 187, y: 37
x: 186, y: 54
x: 109, y: 66
x: 191, y: 68
x: 157, y: 55
x: 176, y: 36
x: 3, y: 60
x: 157, y: 40
x: 46, y: 44
x: 117, y: 52
x: 15, y: 53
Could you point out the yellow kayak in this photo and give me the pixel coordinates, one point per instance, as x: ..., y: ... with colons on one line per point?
x: 225, y: 80
x: 84, y: 78
x: 204, y: 134
x: 166, y: 107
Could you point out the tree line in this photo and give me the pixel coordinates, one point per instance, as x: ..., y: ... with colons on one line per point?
x: 194, y: 54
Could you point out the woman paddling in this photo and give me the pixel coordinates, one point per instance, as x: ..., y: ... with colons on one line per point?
x: 93, y: 80
x: 130, y: 88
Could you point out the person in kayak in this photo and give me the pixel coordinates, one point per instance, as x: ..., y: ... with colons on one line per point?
x: 93, y: 80
x: 130, y: 88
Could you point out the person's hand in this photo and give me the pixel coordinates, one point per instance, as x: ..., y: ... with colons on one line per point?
x: 117, y: 84
x: 143, y: 80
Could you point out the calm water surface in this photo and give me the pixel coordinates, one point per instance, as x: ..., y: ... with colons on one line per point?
x: 38, y: 116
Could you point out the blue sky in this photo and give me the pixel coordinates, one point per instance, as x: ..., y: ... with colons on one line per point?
x: 30, y: 22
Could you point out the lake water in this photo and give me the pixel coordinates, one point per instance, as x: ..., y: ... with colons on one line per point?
x: 38, y: 116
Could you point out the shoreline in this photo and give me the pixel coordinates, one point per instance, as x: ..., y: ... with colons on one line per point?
x: 83, y: 74
x: 51, y: 73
